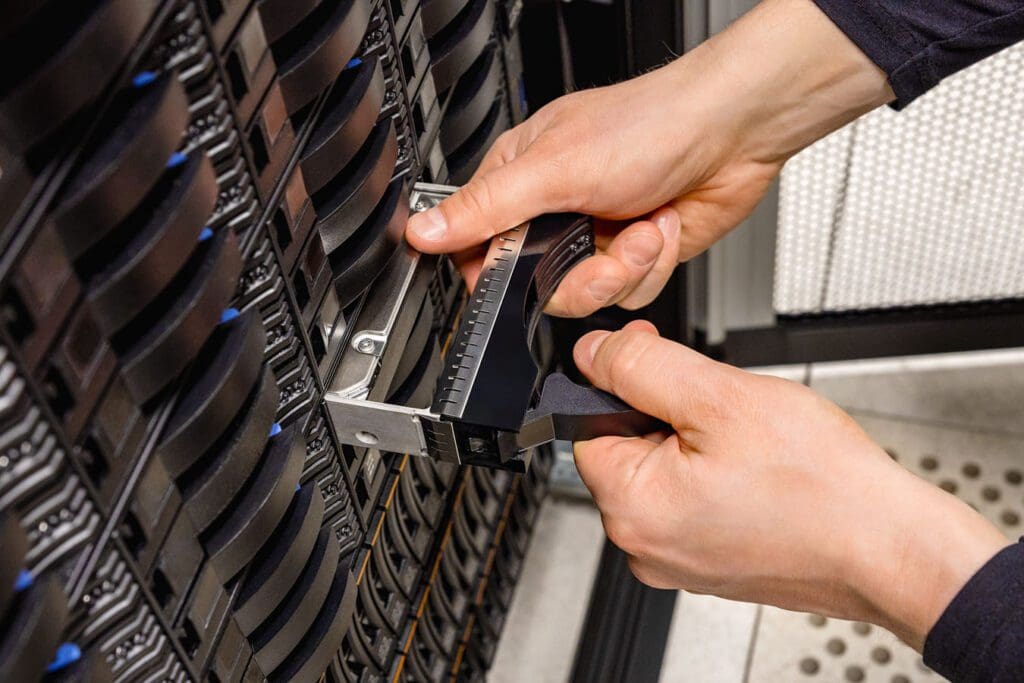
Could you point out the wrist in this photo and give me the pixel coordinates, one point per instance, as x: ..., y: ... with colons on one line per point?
x: 782, y: 77
x: 932, y: 545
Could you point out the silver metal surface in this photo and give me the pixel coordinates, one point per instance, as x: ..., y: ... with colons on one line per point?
x: 383, y: 426
x: 360, y: 364
x: 730, y: 286
x: 371, y: 424
x: 380, y: 312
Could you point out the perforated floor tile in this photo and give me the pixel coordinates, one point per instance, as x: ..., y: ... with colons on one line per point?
x: 984, y: 469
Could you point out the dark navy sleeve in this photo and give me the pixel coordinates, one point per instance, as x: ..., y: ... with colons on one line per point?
x: 920, y: 42
x: 980, y: 636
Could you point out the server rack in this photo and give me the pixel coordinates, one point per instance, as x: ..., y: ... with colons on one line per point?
x: 197, y: 199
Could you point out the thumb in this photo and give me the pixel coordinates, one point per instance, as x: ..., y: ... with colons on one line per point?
x: 657, y: 376
x: 491, y: 202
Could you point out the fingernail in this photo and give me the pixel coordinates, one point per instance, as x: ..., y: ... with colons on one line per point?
x: 430, y: 225
x: 668, y: 223
x: 605, y: 288
x: 642, y: 249
x: 595, y: 344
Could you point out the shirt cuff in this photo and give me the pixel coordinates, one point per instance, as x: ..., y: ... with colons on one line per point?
x: 980, y: 636
x: 887, y: 42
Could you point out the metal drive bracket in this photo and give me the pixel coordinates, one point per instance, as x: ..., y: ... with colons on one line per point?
x: 384, y: 308
x: 383, y: 426
x: 392, y: 428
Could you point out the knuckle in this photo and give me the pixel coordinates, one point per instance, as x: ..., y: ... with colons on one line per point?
x: 635, y: 301
x: 627, y: 353
x: 505, y: 146
x: 476, y: 197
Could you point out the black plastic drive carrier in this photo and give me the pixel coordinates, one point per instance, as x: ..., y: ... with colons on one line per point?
x: 438, y: 634
x: 251, y: 67
x: 279, y: 635
x: 379, y: 604
x: 158, y: 345
x: 118, y: 170
x: 460, y: 564
x: 14, y: 14
x: 435, y: 475
x: 454, y: 48
x: 162, y: 233
x: 471, y: 100
x: 281, y: 16
x: 31, y: 630
x: 417, y: 343
x: 462, y: 163
x: 424, y: 664
x: 485, y: 506
x: 91, y: 668
x: 345, y: 201
x: 408, y: 535
x: 421, y: 503
x: 436, y: 14
x: 356, y: 266
x: 345, y: 122
x: 371, y: 643
x: 318, y: 647
x: 60, y: 59
x: 223, y: 375
x: 312, y: 54
x: 247, y: 525
x: 212, y: 484
x: 276, y: 569
x: 15, y: 545
x: 150, y: 514
x: 448, y: 600
x: 395, y: 565
x: 417, y: 391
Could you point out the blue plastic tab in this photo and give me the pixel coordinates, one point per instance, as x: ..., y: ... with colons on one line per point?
x: 354, y: 63
x: 229, y: 314
x: 298, y: 487
x: 23, y: 581
x: 177, y: 159
x: 67, y: 654
x: 143, y: 78
x: 275, y: 429
x: 205, y: 234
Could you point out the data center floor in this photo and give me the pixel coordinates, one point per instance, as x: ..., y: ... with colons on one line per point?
x: 955, y: 420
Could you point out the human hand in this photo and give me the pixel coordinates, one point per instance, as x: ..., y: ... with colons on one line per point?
x: 766, y: 492
x: 671, y: 161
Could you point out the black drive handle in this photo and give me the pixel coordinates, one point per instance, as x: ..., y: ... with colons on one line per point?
x: 570, y: 412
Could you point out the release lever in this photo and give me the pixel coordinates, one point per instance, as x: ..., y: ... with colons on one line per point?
x: 567, y: 411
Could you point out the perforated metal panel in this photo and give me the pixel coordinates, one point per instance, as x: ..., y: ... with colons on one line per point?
x: 914, y: 208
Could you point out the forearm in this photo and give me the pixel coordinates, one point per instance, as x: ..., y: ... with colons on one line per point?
x: 780, y: 78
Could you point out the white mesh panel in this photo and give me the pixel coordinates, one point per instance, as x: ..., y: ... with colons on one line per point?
x: 930, y: 211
